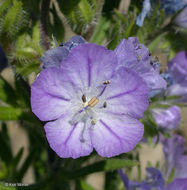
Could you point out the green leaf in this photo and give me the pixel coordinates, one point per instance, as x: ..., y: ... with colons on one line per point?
x: 155, y: 43
x: 5, y: 146
x: 171, y: 176
x: 86, y: 11
x: 13, y: 113
x: 22, y: 91
x: 28, y: 68
x: 57, y: 28
x: 13, y: 19
x: 105, y: 165
x: 129, y: 28
x: 100, y: 31
x: 85, y: 186
x: 7, y: 93
x: 27, y: 163
x: 14, y: 163
x: 115, y: 36
x: 4, y: 5
x: 67, y: 6
x: 113, y: 164
x: 10, y: 113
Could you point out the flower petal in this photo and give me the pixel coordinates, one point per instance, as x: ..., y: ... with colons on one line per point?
x: 68, y: 140
x: 74, y: 41
x: 88, y: 65
x: 54, y: 56
x: 113, y: 135
x: 127, y: 94
x: 51, y: 94
x: 180, y: 184
x: 178, y: 68
x: 173, y: 148
x: 135, y: 56
x: 167, y: 118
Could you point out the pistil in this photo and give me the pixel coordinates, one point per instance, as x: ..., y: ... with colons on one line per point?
x: 93, y: 101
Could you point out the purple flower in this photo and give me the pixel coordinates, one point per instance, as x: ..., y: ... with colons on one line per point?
x: 167, y: 119
x: 181, y: 19
x: 177, y: 67
x: 135, y: 56
x: 177, y: 184
x: 154, y: 180
x: 90, y: 104
x: 54, y: 56
x: 174, y: 154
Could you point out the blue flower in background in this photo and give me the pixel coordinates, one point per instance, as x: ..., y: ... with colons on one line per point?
x: 146, y: 9
x: 177, y: 68
x: 3, y: 59
x: 170, y: 7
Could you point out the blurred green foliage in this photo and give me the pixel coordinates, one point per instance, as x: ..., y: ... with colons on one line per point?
x: 27, y: 29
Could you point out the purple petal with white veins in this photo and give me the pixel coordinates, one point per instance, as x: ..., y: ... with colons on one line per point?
x: 94, y: 104
x: 167, y: 119
x: 135, y: 56
x: 68, y: 140
x: 51, y: 94
x: 90, y: 65
x: 113, y: 135
x: 177, y: 184
x: 127, y: 94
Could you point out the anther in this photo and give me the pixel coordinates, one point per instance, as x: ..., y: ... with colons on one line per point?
x: 83, y: 98
x: 93, y: 122
x: 139, y: 57
x: 105, y: 104
x: 93, y: 101
x: 106, y: 82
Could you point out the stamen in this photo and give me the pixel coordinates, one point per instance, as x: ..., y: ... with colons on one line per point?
x: 93, y: 102
x: 106, y: 82
x: 83, y: 98
x: 81, y: 138
x: 93, y: 122
x: 105, y: 104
